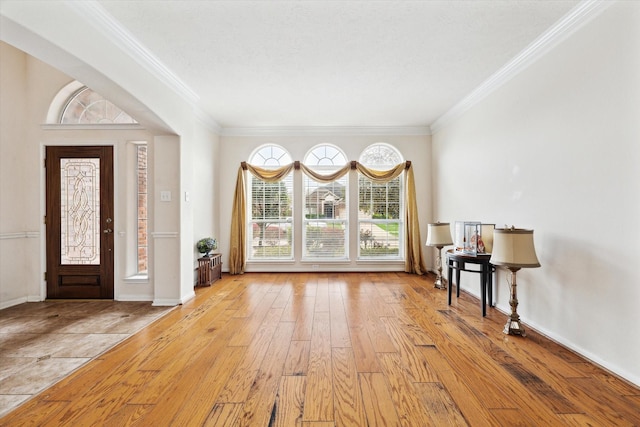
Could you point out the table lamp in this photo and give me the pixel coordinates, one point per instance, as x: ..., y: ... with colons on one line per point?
x: 513, y: 249
x: 439, y: 235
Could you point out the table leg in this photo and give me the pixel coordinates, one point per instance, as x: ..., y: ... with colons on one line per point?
x: 450, y: 275
x: 460, y: 267
x: 483, y: 290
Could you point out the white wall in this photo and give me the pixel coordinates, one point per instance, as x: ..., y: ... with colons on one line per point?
x: 18, y: 237
x: 205, y: 192
x: 556, y: 150
x: 235, y: 149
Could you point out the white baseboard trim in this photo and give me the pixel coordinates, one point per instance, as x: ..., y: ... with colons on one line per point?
x: 12, y: 302
x: 134, y: 297
x: 165, y: 302
x: 191, y: 295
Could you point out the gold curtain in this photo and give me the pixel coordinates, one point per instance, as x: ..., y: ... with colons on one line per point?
x: 238, y: 219
x: 269, y: 175
x: 381, y: 177
x: 414, y: 262
x: 325, y: 179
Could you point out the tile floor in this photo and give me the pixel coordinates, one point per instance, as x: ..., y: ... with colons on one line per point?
x: 41, y: 343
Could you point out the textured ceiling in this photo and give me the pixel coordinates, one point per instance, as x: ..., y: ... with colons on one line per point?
x: 333, y: 63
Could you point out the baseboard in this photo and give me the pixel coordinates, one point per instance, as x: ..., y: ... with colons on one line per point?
x: 12, y: 302
x: 134, y: 297
x: 165, y: 302
x: 191, y: 295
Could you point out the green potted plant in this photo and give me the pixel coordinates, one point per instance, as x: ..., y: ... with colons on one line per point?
x: 206, y: 245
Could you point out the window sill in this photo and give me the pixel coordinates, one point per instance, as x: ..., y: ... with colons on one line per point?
x: 325, y: 261
x: 269, y: 261
x: 137, y: 278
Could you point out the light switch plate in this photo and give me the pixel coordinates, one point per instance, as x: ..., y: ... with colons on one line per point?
x: 165, y: 196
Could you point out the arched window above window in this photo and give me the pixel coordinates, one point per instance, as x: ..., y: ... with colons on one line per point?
x: 86, y: 106
x: 325, y: 155
x: 270, y: 156
x: 380, y: 156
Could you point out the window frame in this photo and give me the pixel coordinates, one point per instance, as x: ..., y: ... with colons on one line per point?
x: 324, y: 163
x: 260, y: 157
x: 400, y: 221
x: 145, y: 207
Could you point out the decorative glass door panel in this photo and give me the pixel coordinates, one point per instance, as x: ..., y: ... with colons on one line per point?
x: 80, y: 211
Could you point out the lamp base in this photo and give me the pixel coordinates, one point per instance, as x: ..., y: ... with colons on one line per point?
x: 513, y: 327
x: 440, y: 283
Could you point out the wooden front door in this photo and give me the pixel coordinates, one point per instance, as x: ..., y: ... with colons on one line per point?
x: 79, y: 222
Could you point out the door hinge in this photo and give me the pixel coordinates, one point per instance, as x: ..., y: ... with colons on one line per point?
x: 44, y: 219
x: 45, y: 163
x: 45, y: 276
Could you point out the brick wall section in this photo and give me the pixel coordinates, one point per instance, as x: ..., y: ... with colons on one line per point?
x: 142, y: 210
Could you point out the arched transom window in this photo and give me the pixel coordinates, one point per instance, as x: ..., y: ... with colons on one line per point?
x: 86, y: 106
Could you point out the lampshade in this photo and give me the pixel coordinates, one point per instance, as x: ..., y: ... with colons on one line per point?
x: 439, y: 234
x: 513, y: 247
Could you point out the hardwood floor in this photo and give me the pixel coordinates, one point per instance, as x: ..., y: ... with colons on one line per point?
x: 350, y: 349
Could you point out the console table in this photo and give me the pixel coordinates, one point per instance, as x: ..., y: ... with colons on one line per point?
x: 209, y: 269
x: 458, y: 262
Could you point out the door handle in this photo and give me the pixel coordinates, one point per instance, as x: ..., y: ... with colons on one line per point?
x: 108, y: 231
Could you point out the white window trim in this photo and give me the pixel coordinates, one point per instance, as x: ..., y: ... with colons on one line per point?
x: 401, y: 219
x: 249, y: 230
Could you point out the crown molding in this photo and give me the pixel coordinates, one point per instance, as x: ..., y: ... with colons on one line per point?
x: 567, y: 25
x: 100, y: 19
x: 326, y: 130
